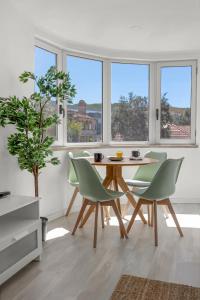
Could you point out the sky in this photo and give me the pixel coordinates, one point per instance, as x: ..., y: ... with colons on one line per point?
x: 87, y: 77
x: 43, y: 61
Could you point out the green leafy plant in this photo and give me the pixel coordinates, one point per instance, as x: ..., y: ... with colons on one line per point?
x: 74, y: 130
x: 30, y: 142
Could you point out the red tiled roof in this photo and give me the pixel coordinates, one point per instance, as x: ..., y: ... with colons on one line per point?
x: 179, y: 131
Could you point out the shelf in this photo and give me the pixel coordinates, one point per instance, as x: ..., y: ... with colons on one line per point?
x: 20, y: 233
x: 11, y: 203
x: 13, y: 229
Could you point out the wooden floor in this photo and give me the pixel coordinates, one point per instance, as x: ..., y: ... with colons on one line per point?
x: 71, y: 269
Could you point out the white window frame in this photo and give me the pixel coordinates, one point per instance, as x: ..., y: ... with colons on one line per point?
x: 58, y: 52
x: 65, y: 69
x: 129, y: 143
x: 154, y: 99
x: 190, y: 63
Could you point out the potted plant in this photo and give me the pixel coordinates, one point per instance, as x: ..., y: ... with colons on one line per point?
x: 30, y: 142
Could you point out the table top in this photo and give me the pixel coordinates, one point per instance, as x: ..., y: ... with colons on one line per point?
x: 125, y: 162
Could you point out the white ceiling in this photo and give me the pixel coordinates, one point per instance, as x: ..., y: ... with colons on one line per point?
x: 148, y: 26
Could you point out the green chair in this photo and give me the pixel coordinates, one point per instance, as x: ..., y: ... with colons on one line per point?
x: 158, y: 193
x: 146, y: 173
x: 95, y: 195
x: 71, y: 176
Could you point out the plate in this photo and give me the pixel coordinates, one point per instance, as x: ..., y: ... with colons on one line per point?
x: 115, y: 158
x: 135, y: 158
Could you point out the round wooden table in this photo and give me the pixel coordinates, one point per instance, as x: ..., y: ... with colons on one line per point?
x: 114, y: 178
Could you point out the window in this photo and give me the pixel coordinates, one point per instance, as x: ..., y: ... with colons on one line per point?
x: 84, y: 116
x: 176, y: 101
x: 123, y: 102
x: 43, y: 61
x: 130, y: 102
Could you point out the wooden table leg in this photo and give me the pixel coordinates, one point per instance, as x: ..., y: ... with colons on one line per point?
x: 116, y: 189
x: 109, y: 176
x: 106, y: 183
x: 125, y: 210
x: 129, y: 195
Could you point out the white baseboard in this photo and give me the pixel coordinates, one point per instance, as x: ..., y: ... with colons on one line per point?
x: 187, y: 200
x: 56, y: 215
x: 77, y: 206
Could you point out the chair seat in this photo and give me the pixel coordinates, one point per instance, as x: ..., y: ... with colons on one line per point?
x: 114, y: 194
x: 137, y: 183
x: 110, y: 195
x: 140, y: 191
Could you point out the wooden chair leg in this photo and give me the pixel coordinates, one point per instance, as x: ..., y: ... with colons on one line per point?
x: 96, y: 225
x: 174, y: 218
x: 121, y: 225
x: 80, y: 215
x: 155, y: 222
x: 130, y: 197
x: 136, y: 210
x: 152, y: 215
x: 82, y: 203
x: 149, y: 215
x: 102, y: 217
x: 118, y: 205
x: 87, y: 215
x: 76, y: 190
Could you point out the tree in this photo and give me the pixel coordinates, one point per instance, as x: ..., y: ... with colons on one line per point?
x: 165, y: 118
x: 30, y: 143
x: 130, y: 118
x: 74, y: 130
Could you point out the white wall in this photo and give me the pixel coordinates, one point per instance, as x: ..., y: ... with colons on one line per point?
x: 17, y: 55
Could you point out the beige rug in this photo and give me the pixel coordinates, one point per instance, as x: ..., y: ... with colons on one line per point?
x: 136, y: 288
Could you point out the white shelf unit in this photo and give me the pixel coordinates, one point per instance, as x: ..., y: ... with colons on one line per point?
x: 20, y: 234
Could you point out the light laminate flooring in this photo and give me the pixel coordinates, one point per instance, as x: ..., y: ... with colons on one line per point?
x: 71, y: 269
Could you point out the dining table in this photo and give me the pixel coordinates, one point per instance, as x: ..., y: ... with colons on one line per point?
x: 114, y: 176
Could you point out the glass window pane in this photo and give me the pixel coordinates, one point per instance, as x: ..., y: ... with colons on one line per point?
x: 84, y: 116
x: 176, y: 86
x: 130, y: 102
x: 43, y: 61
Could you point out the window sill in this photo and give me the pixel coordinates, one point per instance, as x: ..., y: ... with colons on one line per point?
x: 105, y: 146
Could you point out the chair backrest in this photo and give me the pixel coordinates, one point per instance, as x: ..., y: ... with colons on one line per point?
x: 164, y: 183
x: 90, y: 185
x: 71, y: 175
x: 147, y: 172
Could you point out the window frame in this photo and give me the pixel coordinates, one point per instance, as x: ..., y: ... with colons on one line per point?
x: 55, y: 50
x: 65, y: 69
x: 126, y: 61
x: 154, y: 99
x: 179, y: 63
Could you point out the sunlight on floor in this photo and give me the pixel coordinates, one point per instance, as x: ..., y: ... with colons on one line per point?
x: 114, y: 222
x: 185, y: 221
x: 56, y: 233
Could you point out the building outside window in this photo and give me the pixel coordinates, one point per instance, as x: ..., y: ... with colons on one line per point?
x: 84, y: 116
